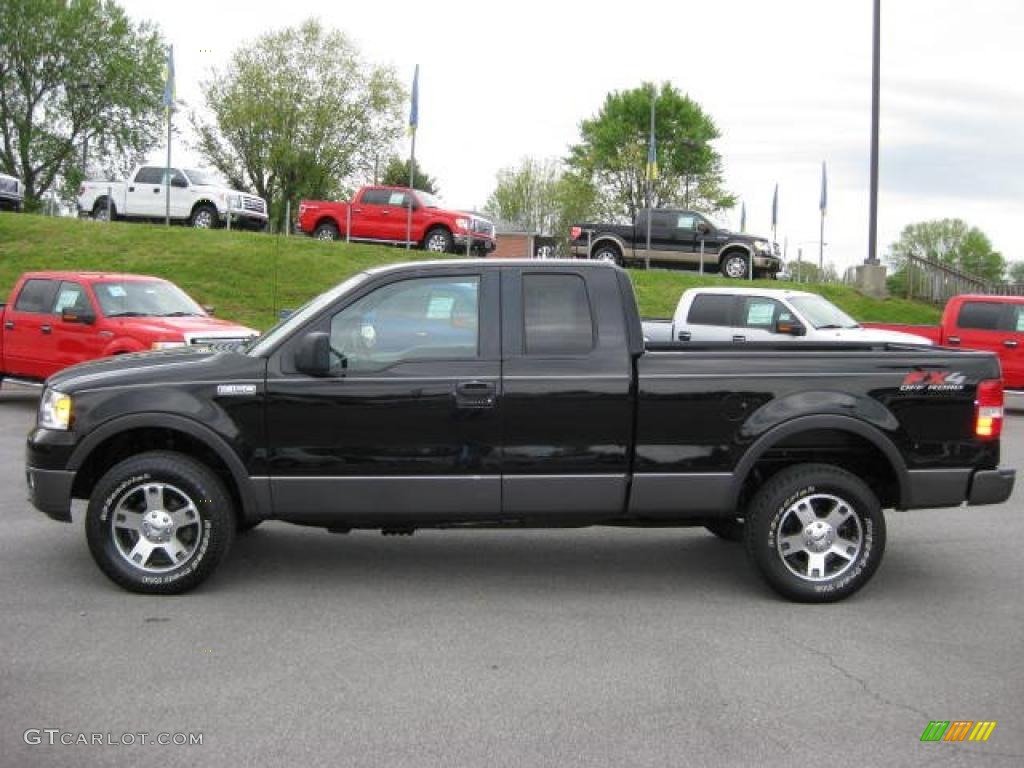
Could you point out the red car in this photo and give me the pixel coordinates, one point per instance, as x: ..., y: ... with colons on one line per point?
x: 381, y: 215
x: 992, y: 323
x: 57, y: 319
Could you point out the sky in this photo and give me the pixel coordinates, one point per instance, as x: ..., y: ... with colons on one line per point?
x: 788, y: 84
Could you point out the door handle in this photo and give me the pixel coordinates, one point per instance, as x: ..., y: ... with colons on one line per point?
x: 739, y: 338
x: 357, y: 210
x: 47, y: 330
x: 156, y: 190
x: 685, y: 336
x: 1010, y: 344
x: 9, y: 325
x: 384, y: 213
x: 953, y: 339
x: 131, y: 189
x: 475, y: 394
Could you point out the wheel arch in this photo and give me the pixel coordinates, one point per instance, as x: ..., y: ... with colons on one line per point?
x: 126, y: 436
x: 731, y: 247
x: 606, y: 238
x: 202, y: 203
x: 850, y: 443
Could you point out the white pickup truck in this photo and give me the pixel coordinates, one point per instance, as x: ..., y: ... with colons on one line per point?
x: 764, y: 314
x: 198, y: 199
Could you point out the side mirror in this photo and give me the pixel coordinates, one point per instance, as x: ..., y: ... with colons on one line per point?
x: 69, y: 315
x: 178, y: 181
x: 209, y: 309
x: 313, y: 357
x: 703, y: 227
x: 789, y: 327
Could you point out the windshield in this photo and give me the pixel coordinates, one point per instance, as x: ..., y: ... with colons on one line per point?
x: 145, y: 298
x: 714, y: 222
x: 822, y: 313
x: 429, y: 201
x: 204, y: 178
x: 265, y: 344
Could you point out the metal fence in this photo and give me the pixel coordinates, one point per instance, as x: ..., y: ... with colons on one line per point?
x: 929, y: 280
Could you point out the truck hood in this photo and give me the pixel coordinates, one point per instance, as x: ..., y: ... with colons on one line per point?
x: 187, y: 364
x: 188, y: 329
x: 870, y: 335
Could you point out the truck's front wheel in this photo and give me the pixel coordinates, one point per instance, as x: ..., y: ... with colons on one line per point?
x: 816, y: 532
x: 159, y: 523
x: 735, y: 265
x: 438, y: 240
x: 204, y: 217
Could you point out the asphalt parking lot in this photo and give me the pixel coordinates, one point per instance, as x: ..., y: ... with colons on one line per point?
x: 511, y: 648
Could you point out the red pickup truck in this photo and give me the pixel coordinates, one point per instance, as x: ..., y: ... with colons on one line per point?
x: 57, y: 319
x: 992, y: 323
x: 381, y: 215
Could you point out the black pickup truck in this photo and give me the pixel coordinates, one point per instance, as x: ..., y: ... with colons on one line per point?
x: 475, y: 394
x: 677, y: 237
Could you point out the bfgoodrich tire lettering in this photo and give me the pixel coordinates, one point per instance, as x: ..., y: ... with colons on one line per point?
x: 159, y: 523
x: 816, y: 533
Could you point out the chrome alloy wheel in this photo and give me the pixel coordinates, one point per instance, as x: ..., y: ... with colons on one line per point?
x: 820, y: 537
x: 203, y: 219
x: 735, y: 267
x: 437, y: 242
x: 156, y: 527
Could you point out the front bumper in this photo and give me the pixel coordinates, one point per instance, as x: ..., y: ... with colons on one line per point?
x: 49, y: 490
x: 765, y: 262
x: 483, y: 244
x: 991, y: 486
x: 10, y: 202
x: 247, y: 220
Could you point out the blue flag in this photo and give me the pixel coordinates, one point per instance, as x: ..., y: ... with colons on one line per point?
x: 775, y: 207
x: 169, y: 79
x: 823, y: 205
x: 414, y: 110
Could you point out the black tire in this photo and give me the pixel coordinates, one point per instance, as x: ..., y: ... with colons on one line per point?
x: 438, y: 240
x: 735, y: 265
x: 728, y: 528
x: 608, y: 252
x: 122, y: 525
x: 326, y: 231
x: 99, y: 210
x: 204, y: 217
x: 798, y: 515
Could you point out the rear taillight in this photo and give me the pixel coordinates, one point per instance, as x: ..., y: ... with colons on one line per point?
x: 576, y: 232
x: 988, y: 409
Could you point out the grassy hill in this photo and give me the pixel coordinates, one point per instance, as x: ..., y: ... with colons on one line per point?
x: 248, y: 276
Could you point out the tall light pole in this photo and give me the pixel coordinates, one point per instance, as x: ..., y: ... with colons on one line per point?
x: 875, y: 81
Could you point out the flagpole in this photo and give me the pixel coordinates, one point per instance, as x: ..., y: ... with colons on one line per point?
x: 652, y: 164
x: 822, y: 205
x: 167, y: 175
x: 414, y: 121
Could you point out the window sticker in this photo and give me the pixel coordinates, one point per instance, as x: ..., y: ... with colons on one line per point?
x: 117, y: 291
x: 440, y: 307
x: 67, y: 299
x: 760, y: 314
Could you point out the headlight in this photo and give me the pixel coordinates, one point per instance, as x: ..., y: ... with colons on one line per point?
x: 462, y: 223
x: 54, y: 410
x: 166, y: 344
x: 234, y: 202
x: 762, y: 246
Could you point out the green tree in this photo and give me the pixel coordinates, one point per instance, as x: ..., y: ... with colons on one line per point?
x: 298, y: 113
x: 950, y: 242
x: 612, y: 153
x: 1016, y: 272
x: 396, y: 174
x: 71, y: 72
x: 526, y: 195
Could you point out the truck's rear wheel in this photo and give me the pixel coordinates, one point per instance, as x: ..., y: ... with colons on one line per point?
x: 204, y: 217
x: 438, y: 240
x: 159, y: 523
x: 816, y: 533
x: 735, y: 265
x: 608, y: 253
x: 326, y: 231
x: 99, y: 210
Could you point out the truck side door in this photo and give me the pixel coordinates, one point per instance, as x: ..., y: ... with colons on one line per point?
x: 1012, y: 355
x: 566, y: 395
x: 406, y: 427
x: 28, y: 329
x: 368, y: 220
x: 79, y: 340
x: 709, y: 318
x: 142, y: 196
x: 756, y: 317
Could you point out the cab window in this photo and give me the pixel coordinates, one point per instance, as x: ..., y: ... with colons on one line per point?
x: 980, y: 315
x: 436, y: 318
x: 36, y: 296
x: 72, y: 296
x: 760, y: 312
x: 711, y: 309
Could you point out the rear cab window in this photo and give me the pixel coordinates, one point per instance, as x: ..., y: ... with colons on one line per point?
x: 36, y: 296
x: 711, y: 309
x: 980, y: 315
x: 557, y: 318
